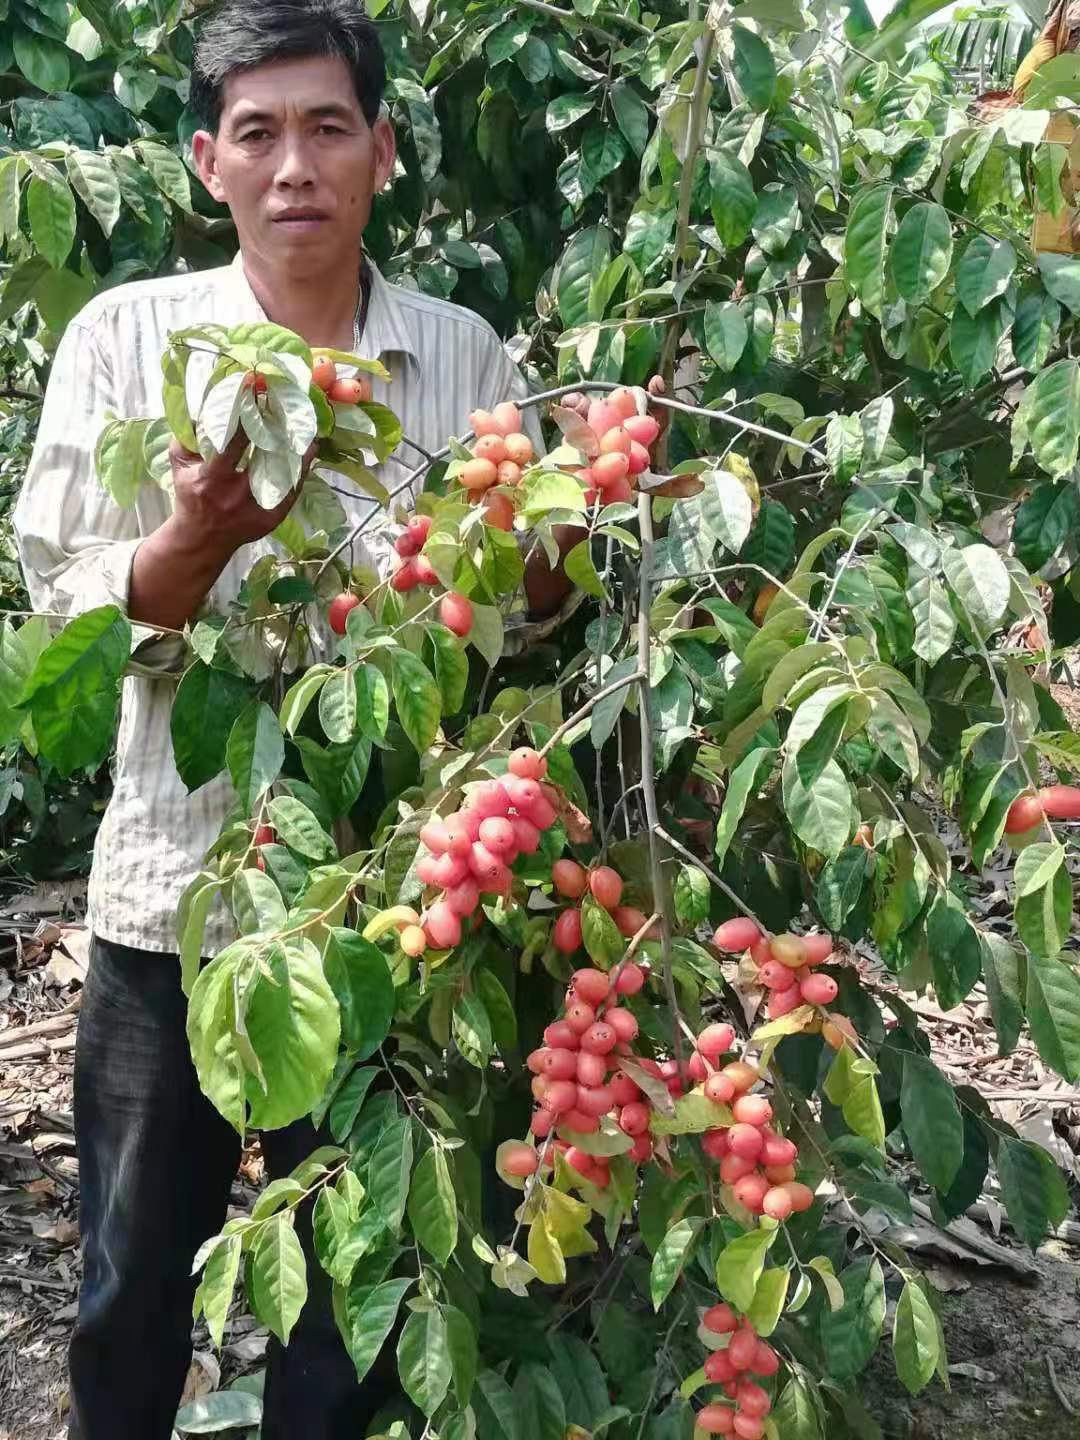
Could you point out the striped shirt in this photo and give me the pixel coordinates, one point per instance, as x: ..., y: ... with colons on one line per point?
x: 77, y: 546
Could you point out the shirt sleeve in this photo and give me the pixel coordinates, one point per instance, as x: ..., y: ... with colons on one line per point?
x: 77, y: 546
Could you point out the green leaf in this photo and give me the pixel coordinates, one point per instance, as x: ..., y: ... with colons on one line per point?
x: 1048, y: 416
x: 671, y: 1258
x: 43, y: 61
x: 339, y: 706
x: 1035, y: 866
x: 581, y: 262
x: 1033, y: 1188
x: 935, y: 623
x: 769, y: 1299
x: 725, y: 332
x: 602, y: 151
x: 864, y: 245
x: 1061, y: 276
x: 254, y: 753
x: 692, y: 894
x: 348, y: 1102
x: 471, y: 1027
x: 1004, y: 972
x: 840, y: 885
x: 974, y: 339
x: 278, y: 1276
x: 1053, y: 1010
x: 293, y: 1027
x: 94, y: 181
x: 373, y: 700
x: 580, y: 570
x: 795, y: 1414
x: 740, y: 1265
x: 496, y: 1395
x: 417, y: 699
x: 850, y: 1335
x: 606, y: 712
x: 772, y: 540
x: 222, y: 1410
x: 821, y: 813
x: 73, y: 693
x: 360, y: 979
x: 215, y: 1292
x: 432, y: 1205
x: 980, y: 581
x: 451, y: 669
x: 389, y: 1169
x: 257, y: 903
x: 777, y: 217
x: 423, y: 1357
x: 742, y: 783
x: 168, y: 172
x: 985, y: 269
x: 299, y: 829
x: 564, y: 111
x: 487, y: 632
x: 844, y: 446
x: 915, y: 1338
x: 631, y: 115
x: 726, y: 509
x: 1044, y: 521
x: 1044, y: 917
x: 732, y: 197
x: 932, y: 1121
x: 1035, y: 328
x: 922, y: 252
x: 372, y: 1321
x: 754, y: 67
x: 461, y: 1338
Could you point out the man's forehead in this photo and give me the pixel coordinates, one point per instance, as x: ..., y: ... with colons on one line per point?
x: 315, y: 84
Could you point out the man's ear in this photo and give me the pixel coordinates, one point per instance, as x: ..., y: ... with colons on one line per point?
x: 385, y: 149
x: 204, y: 153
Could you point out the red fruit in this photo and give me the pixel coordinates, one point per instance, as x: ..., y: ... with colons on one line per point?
x: 778, y: 1174
x: 435, y: 836
x: 406, y: 577
x: 719, y: 1088
x: 580, y: 1017
x: 264, y: 835
x: 615, y: 441
x: 490, y: 447
x: 595, y: 1099
x: 617, y: 493
x: 752, y: 1399
x: 818, y: 948
x: 721, y: 1320
x: 340, y: 608
x: 608, y: 470
x: 642, y: 428
x: 751, y: 1191
x: 752, y: 1110
x: 606, y: 886
x: 484, y: 865
x: 443, y: 926
x: 623, y: 402
x: 527, y: 764
x: 456, y: 613
x: 324, y: 373
x: 747, y: 1427
x: 592, y: 986
x: 789, y: 950
x: 777, y: 1203
x: 628, y: 920
x: 580, y: 1122
x: 591, y: 1069
x: 418, y: 529
x: 560, y: 1095
x: 507, y: 418
x: 624, y: 1089
x: 776, y: 977
x: 560, y: 1036
x: 779, y: 1151
x: 1061, y: 802
x: 734, y: 1167
x: 413, y: 941
x: 449, y: 871
x: 736, y: 935
x: 783, y: 1002
x: 579, y: 1161
x: 639, y: 458
x: 459, y: 835
x: 802, y: 1197
x: 746, y: 1141
x: 519, y: 1160
x: 425, y: 870
x: 497, y: 834
x: 536, y: 1059
x: 542, y: 813
x: 482, y: 422
x: 539, y: 1087
x: 741, y: 1350
x: 602, y: 417
x: 718, y: 1368
x: 623, y: 1023
x: 630, y: 979
x: 526, y: 835
x: 697, y: 1068
x: 634, y: 1118
x: 478, y: 475
x: 558, y: 1064
x: 489, y: 799
x: 1024, y: 814
x: 716, y: 1040
x: 715, y: 1419
x: 350, y: 391
x: 599, y: 1039
x: 405, y: 546
x: 766, y: 1361
x: 498, y: 509
x: 819, y: 989
x: 566, y: 934
x: 714, y: 1143
x: 761, y: 952
x: 641, y: 1150
x: 741, y: 1075
x: 522, y: 794
x: 541, y: 1124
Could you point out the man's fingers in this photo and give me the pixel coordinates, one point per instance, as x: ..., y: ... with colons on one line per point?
x: 226, y: 463
x: 309, y: 458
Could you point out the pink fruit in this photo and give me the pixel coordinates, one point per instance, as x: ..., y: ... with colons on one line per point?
x: 634, y: 1118
x: 560, y: 1036
x: 599, y: 1039
x: 775, y: 976
x: 721, y: 1320
x: 456, y: 613
x: 595, y: 1099
x: 435, y: 836
x: 766, y: 1361
x: 560, y: 1096
x: 742, y: 1347
x: 580, y: 1017
x: 592, y: 986
x: 519, y: 1160
x: 615, y: 442
x: 818, y: 948
x: 541, y: 1124
x: 624, y: 1090
x: 606, y: 886
x: 714, y: 1143
x: 715, y: 1419
x: 609, y: 469
x: 642, y: 1149
x: 450, y: 871
x: 819, y: 989
x: 718, y: 1368
x: 442, y: 926
x: 697, y: 1068
x: 751, y: 1191
x: 747, y: 1427
x: 783, y: 1002
x: 734, y: 1167
x: 569, y: 878
x: 642, y: 428
x: 460, y: 832
x: 746, y: 1142
x: 489, y: 800
x: 603, y: 417
x: 526, y: 835
x: 716, y: 1040
x: 527, y: 764
x: 752, y: 1110
x: 558, y: 1064
x: 630, y: 979
x: 579, y: 1161
x: 484, y: 865
x: 719, y: 1088
x: 779, y: 1151
x: 426, y: 871
x: 521, y: 794
x: 802, y: 1197
x: 566, y: 933
x: 639, y: 458
x: 777, y: 1203
x: 591, y: 1069
x: 736, y: 935
x: 497, y: 834
x: 623, y: 402
x: 623, y: 1023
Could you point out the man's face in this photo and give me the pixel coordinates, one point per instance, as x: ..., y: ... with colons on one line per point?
x: 296, y: 163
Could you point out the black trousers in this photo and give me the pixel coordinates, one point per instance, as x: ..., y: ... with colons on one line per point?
x: 156, y: 1163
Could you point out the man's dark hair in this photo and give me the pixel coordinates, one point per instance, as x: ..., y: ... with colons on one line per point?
x: 239, y: 35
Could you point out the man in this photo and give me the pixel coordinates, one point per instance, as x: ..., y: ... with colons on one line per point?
x: 296, y: 144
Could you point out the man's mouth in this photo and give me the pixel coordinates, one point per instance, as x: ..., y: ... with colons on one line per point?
x: 300, y: 219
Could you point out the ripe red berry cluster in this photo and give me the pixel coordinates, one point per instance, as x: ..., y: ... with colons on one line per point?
x: 577, y: 1074
x: 605, y: 885
x: 785, y: 966
x: 413, y: 568
x: 744, y: 1355
x: 471, y: 851
x: 621, y: 445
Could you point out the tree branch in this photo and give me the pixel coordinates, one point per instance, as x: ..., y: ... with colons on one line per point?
x: 590, y: 704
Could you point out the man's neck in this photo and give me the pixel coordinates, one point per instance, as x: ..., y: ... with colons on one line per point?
x: 321, y: 309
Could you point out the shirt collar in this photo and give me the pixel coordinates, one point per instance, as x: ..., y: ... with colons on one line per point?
x: 386, y: 331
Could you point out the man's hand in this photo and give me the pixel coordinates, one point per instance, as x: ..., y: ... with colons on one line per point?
x: 215, y: 514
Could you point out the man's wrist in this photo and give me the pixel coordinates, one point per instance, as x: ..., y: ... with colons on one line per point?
x: 200, y: 545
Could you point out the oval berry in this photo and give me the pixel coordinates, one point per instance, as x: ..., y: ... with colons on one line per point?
x: 736, y: 935
x: 566, y: 934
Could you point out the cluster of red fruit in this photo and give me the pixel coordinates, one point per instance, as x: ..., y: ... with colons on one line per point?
x: 755, y: 1161
x: 352, y: 390
x: 605, y: 885
x: 471, y: 851
x: 413, y: 569
x: 785, y: 966
x: 500, y: 454
x: 1052, y: 802
x: 744, y: 1355
x: 621, y: 449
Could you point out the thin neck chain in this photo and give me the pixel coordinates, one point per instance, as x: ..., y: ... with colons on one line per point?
x: 360, y: 315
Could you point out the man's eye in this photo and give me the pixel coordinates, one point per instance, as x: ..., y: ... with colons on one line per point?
x: 254, y: 135
x: 332, y: 129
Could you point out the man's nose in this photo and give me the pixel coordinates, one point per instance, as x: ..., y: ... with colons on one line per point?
x: 295, y: 166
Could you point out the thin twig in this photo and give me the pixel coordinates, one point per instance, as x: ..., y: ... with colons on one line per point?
x: 712, y: 875
x: 589, y: 705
